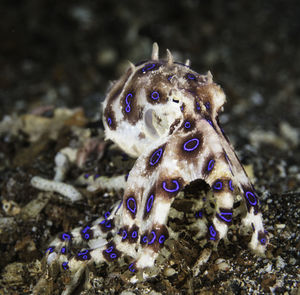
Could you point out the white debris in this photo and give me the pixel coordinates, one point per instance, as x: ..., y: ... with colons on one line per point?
x: 64, y: 189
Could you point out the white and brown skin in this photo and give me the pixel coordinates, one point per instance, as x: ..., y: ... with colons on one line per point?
x: 165, y: 115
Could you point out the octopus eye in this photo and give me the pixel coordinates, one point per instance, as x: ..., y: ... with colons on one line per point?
x: 155, y: 95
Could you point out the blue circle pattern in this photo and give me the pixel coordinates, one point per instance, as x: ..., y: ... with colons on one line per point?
x: 129, y: 97
x: 131, y: 209
x: 213, y: 233
x: 187, y: 125
x: 210, y: 165
x: 150, y: 203
x: 155, y: 95
x: 250, y: 195
x: 148, y: 67
x: 218, y: 185
x: 196, y: 144
x: 83, y: 254
x: 226, y: 216
x: 171, y: 190
x: 156, y: 157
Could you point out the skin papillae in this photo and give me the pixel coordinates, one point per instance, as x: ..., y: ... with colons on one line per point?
x: 165, y: 115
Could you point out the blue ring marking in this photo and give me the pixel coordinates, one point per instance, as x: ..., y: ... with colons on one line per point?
x: 218, y: 185
x: 128, y: 108
x: 187, y: 124
x: 153, y: 239
x: 207, y: 105
x: 145, y: 239
x: 155, y: 95
x: 161, y: 239
x: 124, y: 234
x: 150, y: 203
x: 86, y: 176
x: 253, y: 203
x: 198, y: 106
x: 121, y: 202
x: 83, y: 254
x: 106, y: 215
x: 191, y: 76
x: 108, y: 250
x: 228, y: 219
x: 50, y: 249
x: 86, y: 236
x: 158, y: 154
x: 108, y: 223
x: 103, y: 221
x: 85, y: 229
x: 263, y: 241
x: 212, y: 232
x: 198, y: 214
x: 194, y: 147
x: 210, y: 165
x: 230, y: 185
x: 96, y: 176
x: 109, y: 121
x: 210, y: 122
x: 113, y: 255
x: 148, y: 67
x: 63, y: 250
x: 66, y: 236
x: 129, y: 208
x: 131, y: 268
x: 170, y: 77
x: 134, y: 234
x: 65, y: 265
x: 171, y: 190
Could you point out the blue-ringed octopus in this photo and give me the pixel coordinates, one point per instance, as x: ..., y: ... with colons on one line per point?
x: 166, y: 115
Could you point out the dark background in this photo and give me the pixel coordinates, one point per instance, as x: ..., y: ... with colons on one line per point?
x: 64, y: 53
